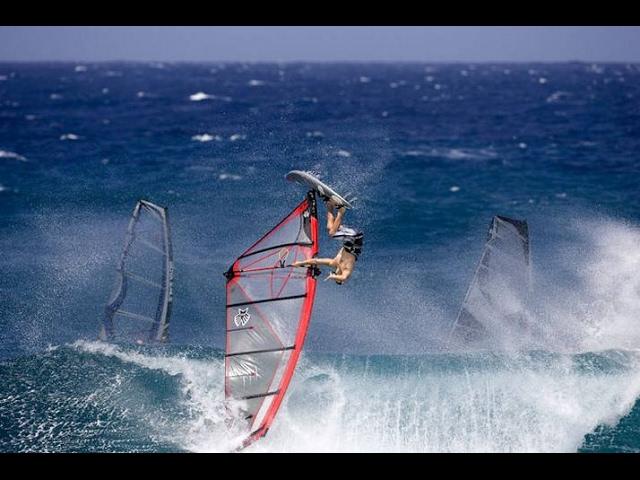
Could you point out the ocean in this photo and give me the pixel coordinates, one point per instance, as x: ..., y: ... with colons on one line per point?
x: 432, y: 151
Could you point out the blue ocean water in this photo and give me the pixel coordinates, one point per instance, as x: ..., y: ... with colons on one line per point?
x: 432, y: 153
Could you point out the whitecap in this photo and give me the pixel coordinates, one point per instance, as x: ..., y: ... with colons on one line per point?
x: 237, y: 136
x: 69, y: 136
x: 229, y: 176
x: 105, y: 161
x: 429, y: 78
x: 3, y: 188
x: 3, y: 78
x: 385, y: 114
x: 454, y: 188
x: 454, y: 153
x: 105, y: 91
x: 205, y: 137
x: 315, y: 134
x: 200, y: 96
x: 561, y: 195
x: 557, y: 96
x: 12, y: 155
x: 80, y: 68
x: 542, y: 80
x: 255, y: 83
x: 343, y: 153
x: 365, y: 80
x: 414, y: 153
x: 55, y: 96
x: 141, y: 94
x: 522, y: 145
x: 30, y: 117
x: 595, y: 68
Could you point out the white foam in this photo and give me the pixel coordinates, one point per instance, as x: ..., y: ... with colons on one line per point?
x: 55, y: 96
x: 141, y: 94
x: 12, y: 155
x: 557, y: 96
x: 454, y: 153
x: 201, y: 96
x: 343, y: 153
x: 3, y: 188
x: 454, y: 188
x: 69, y: 136
x: 201, y: 391
x: 315, y: 134
x: 229, y: 176
x: 105, y: 91
x: 255, y: 83
x: 542, y: 80
x: 365, y: 79
x: 237, y: 136
x: 3, y: 78
x: 522, y: 145
x: 205, y: 137
x: 80, y: 69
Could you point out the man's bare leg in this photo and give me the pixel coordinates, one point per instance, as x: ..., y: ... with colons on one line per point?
x: 334, y: 221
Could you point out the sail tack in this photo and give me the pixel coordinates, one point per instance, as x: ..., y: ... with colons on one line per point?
x: 268, y: 308
x: 139, y: 308
x: 493, y: 315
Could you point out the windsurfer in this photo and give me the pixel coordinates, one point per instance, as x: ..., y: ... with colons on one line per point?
x: 344, y: 262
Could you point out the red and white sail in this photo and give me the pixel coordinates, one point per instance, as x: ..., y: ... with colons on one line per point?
x: 268, y: 309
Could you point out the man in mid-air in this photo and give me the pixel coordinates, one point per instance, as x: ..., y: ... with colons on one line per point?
x: 352, y: 240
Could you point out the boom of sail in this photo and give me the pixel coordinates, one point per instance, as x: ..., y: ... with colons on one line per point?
x: 493, y: 313
x: 140, y: 306
x: 268, y: 309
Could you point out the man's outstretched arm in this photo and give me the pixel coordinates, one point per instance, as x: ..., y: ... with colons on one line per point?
x: 328, y: 262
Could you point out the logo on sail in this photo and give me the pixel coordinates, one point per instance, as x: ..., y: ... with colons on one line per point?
x: 242, y: 317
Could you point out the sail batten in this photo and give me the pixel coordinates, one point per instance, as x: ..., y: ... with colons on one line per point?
x: 139, y: 309
x: 269, y: 305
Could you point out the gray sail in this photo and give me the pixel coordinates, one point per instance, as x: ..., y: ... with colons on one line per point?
x: 493, y: 313
x: 139, y: 308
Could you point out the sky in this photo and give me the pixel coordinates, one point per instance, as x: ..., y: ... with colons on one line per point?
x: 321, y: 44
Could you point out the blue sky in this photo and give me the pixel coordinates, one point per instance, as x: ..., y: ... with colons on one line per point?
x: 423, y: 44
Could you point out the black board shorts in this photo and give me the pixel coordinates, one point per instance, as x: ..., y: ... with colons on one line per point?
x: 353, y: 244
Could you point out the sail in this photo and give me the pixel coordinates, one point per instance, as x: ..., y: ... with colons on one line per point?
x: 268, y: 307
x: 493, y: 311
x: 140, y: 305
